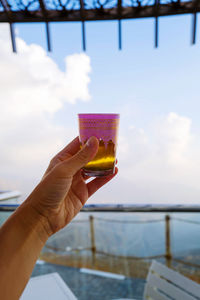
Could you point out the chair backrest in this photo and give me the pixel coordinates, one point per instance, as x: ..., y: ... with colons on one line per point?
x: 164, y: 284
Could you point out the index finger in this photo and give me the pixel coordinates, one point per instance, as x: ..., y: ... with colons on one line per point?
x: 72, y: 148
x: 68, y: 151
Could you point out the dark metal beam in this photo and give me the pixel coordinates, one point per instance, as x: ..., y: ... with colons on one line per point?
x: 119, y: 24
x: 157, y: 3
x: 141, y: 208
x: 156, y: 32
x: 82, y: 11
x: 5, y: 5
x: 8, y: 13
x: 43, y: 8
x: 48, y: 37
x: 194, y: 22
x: 128, y: 208
x: 194, y: 30
x: 186, y: 7
x: 83, y: 36
x: 120, y: 34
x: 12, y: 34
x: 45, y: 15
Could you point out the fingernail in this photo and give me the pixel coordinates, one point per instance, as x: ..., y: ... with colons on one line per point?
x: 91, y: 141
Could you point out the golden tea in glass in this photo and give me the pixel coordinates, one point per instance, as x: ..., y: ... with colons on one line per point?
x: 105, y: 128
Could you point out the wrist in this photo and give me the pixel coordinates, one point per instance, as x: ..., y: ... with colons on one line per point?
x: 33, y: 222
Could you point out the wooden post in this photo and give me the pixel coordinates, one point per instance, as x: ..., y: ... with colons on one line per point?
x: 92, y: 236
x: 168, y: 255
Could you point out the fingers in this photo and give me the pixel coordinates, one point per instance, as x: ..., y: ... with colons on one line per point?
x: 82, y: 157
x: 71, y: 148
x: 85, y: 177
x: 97, y: 183
x: 65, y: 153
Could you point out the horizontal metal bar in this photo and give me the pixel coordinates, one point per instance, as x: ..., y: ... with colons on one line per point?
x: 186, y: 263
x: 128, y: 208
x: 142, y: 208
x: 131, y: 257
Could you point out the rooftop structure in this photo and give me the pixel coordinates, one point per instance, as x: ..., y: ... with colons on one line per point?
x: 19, y: 11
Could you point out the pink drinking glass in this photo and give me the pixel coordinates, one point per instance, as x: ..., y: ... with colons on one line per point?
x: 105, y: 128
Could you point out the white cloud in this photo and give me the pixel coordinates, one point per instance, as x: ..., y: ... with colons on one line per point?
x: 161, y: 166
x: 33, y: 90
x: 174, y: 135
x: 158, y: 164
x: 33, y: 82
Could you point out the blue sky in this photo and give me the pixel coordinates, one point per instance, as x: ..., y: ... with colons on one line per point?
x: 156, y: 91
x: 155, y: 80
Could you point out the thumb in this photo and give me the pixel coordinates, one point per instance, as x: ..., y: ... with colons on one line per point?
x: 81, y: 158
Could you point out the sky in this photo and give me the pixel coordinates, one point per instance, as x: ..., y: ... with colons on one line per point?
x: 156, y: 92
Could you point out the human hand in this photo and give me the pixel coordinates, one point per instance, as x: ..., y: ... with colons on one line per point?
x: 63, y: 189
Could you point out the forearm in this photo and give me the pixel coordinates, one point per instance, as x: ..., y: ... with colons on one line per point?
x: 21, y: 239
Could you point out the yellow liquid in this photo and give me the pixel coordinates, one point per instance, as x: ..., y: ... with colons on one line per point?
x: 104, y: 163
x: 104, y: 159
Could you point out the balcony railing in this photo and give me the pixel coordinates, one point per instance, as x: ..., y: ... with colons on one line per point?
x: 124, y: 239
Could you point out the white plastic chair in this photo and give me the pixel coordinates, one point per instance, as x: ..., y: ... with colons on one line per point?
x: 47, y: 287
x: 164, y: 284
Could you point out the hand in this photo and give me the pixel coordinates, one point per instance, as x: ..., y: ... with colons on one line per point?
x: 63, y: 189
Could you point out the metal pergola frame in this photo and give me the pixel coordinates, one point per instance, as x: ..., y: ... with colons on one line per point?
x: 20, y: 11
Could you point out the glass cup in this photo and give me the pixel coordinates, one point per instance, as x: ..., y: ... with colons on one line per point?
x: 105, y: 128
